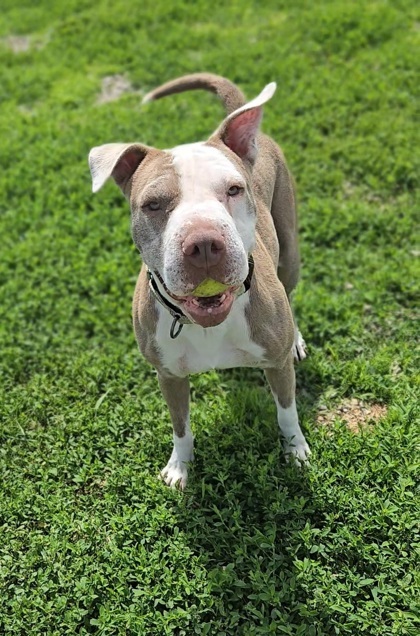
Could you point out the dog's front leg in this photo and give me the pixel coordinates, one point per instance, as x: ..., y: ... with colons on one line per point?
x: 282, y: 382
x: 176, y: 392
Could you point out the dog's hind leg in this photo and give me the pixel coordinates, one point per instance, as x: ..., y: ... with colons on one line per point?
x: 176, y: 392
x: 299, y: 345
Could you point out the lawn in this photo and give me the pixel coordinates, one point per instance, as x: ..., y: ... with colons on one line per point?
x: 91, y: 542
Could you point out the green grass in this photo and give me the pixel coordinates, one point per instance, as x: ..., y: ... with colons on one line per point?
x: 91, y: 542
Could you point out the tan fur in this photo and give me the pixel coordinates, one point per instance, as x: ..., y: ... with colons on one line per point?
x: 282, y: 381
x: 230, y: 95
x: 176, y: 392
x: 283, y: 211
x: 145, y: 318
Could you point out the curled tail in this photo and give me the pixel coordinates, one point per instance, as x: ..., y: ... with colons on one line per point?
x: 229, y: 94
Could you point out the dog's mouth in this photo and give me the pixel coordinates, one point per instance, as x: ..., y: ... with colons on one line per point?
x: 209, y: 311
x: 206, y: 311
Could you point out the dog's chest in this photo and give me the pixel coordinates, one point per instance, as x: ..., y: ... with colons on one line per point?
x: 196, y: 349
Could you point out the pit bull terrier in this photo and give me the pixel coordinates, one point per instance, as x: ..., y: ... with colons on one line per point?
x: 223, y: 211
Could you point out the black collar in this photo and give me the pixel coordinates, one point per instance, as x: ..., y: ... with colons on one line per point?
x: 179, y: 318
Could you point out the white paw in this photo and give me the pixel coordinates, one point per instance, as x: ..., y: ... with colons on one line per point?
x: 299, y: 347
x: 299, y: 452
x: 175, y: 474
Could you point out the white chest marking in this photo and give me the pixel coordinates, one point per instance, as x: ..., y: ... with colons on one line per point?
x: 197, y: 349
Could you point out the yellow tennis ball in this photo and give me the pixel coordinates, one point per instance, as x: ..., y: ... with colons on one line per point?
x: 209, y: 287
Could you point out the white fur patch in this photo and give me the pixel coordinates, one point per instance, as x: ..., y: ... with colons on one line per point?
x: 201, y: 168
x: 299, y: 346
x: 175, y: 473
x: 294, y: 440
x: 197, y: 349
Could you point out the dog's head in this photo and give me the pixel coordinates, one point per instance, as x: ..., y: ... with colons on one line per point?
x: 193, y: 211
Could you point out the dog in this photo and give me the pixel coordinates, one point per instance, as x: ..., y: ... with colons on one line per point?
x: 219, y: 214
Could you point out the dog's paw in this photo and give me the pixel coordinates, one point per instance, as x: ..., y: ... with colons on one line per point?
x: 175, y: 474
x: 297, y: 452
x: 299, y: 347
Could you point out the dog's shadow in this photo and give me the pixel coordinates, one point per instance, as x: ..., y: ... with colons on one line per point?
x: 245, y: 508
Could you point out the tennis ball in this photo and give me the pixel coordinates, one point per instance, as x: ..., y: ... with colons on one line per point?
x: 209, y: 287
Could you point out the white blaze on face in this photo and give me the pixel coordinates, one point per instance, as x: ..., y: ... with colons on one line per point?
x: 205, y: 175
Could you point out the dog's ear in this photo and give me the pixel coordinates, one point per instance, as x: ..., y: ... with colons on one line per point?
x: 118, y: 161
x: 239, y: 130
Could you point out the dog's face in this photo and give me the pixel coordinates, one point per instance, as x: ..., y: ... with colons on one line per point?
x: 193, y: 212
x: 193, y: 218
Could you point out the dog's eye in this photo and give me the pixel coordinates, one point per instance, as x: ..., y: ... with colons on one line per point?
x: 153, y: 206
x: 234, y: 190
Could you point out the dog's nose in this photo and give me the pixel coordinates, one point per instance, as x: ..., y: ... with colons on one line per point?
x: 204, y: 249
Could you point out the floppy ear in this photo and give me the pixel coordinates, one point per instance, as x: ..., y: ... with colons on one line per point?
x: 239, y: 131
x: 118, y: 161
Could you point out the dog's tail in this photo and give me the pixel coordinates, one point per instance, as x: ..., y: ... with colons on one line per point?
x: 230, y: 95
